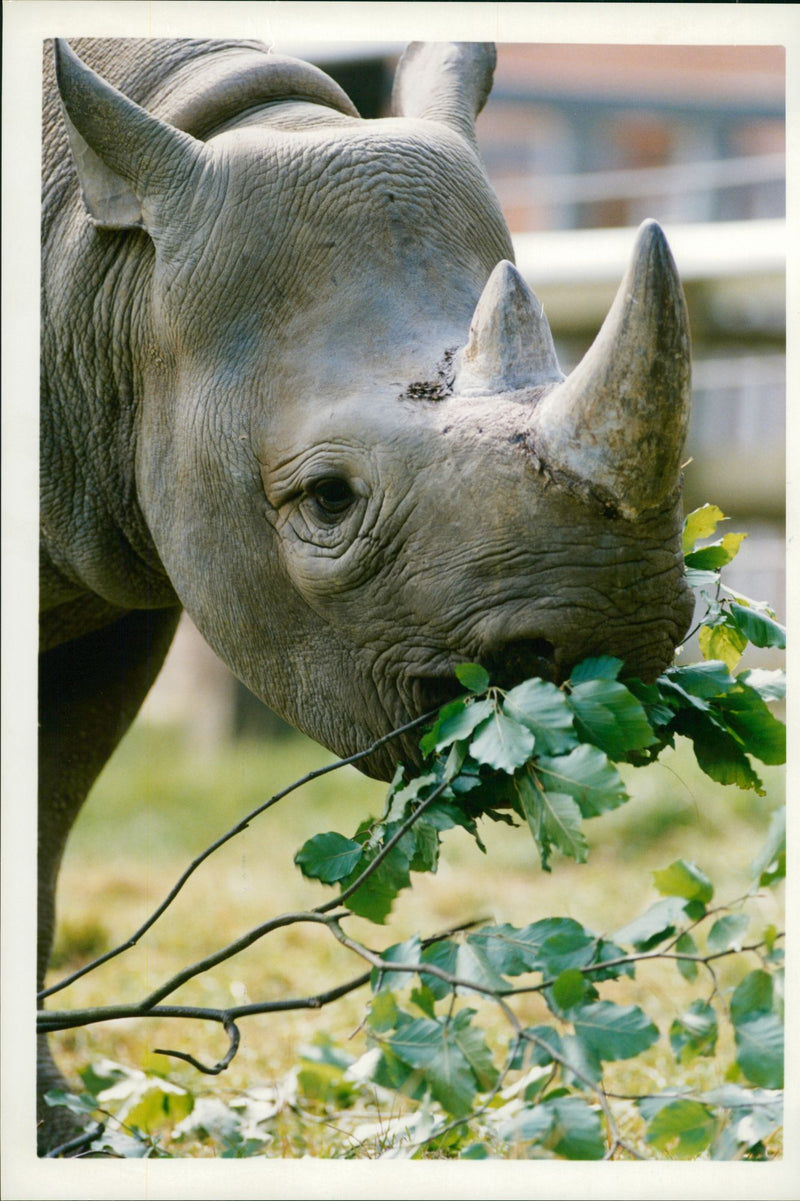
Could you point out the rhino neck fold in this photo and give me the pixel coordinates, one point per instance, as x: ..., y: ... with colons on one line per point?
x: 229, y: 84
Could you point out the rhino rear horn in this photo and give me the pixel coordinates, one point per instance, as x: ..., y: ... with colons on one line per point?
x: 127, y: 160
x: 444, y: 81
x: 615, y: 429
x: 510, y: 345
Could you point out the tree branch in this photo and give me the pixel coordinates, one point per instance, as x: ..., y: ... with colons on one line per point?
x: 224, y: 838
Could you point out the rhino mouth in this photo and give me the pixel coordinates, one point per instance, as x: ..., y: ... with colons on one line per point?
x: 522, y: 659
x: 507, y: 666
x: 430, y: 692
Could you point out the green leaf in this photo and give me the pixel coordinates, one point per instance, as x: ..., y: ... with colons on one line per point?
x: 554, y: 820
x: 103, y: 1074
x: 758, y: 628
x: 694, y: 1032
x: 708, y: 558
x: 432, y: 1047
x: 724, y: 641
x: 700, y: 580
x: 717, y: 555
x: 653, y: 1103
x: 700, y: 524
x: 402, y: 798
x: 426, y: 847
x: 407, y: 952
x: 472, y: 676
x: 472, y: 964
x: 769, y: 865
x: 544, y: 709
x: 614, y: 1031
x: 530, y: 1125
x: 513, y: 951
x: 374, y: 898
x: 562, y: 823
x: 543, y: 1040
x: 604, y: 667
x: 581, y: 1062
x: 325, y: 1084
x: 424, y: 999
x: 683, y: 1128
x: 383, y: 1011
x: 62, y: 1097
x: 770, y: 685
x: 657, y: 923
x: 759, y: 1049
x: 577, y: 1128
x: 441, y: 954
x: 687, y: 967
x: 585, y: 774
x: 475, y: 1151
x: 392, y: 1072
x: 502, y: 743
x: 606, y: 951
x: 686, y: 880
x: 753, y: 996
x: 701, y: 679
x: 748, y: 716
x: 564, y: 1125
x: 755, y: 1113
x: 569, y: 988
x: 718, y: 753
x: 611, y: 717
x: 328, y: 857
x: 727, y: 932
x: 159, y: 1102
x: 471, y: 1042
x: 417, y: 1041
x: 570, y: 947
x: 459, y: 723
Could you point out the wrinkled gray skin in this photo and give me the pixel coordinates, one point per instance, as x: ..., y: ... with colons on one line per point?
x: 270, y: 396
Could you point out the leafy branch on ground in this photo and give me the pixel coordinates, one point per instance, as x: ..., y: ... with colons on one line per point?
x: 544, y: 756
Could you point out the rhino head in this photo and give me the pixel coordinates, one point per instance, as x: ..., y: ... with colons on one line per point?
x: 356, y: 455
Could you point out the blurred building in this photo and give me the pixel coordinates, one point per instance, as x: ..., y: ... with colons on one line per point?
x: 582, y: 142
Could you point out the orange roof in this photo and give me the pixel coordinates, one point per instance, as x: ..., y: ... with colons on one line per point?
x: 721, y: 74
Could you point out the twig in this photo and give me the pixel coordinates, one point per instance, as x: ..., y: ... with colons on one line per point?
x: 79, y: 1143
x: 641, y: 957
x: 51, y: 1020
x: 384, y: 851
x: 233, y: 948
x: 234, y: 1034
x: 237, y: 829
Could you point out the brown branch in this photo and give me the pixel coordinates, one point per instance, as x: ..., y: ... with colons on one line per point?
x: 237, y: 829
x: 51, y: 1020
x: 234, y: 1034
x: 318, y: 914
x: 384, y: 851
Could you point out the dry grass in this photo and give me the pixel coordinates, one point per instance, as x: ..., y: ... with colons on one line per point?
x: 159, y: 803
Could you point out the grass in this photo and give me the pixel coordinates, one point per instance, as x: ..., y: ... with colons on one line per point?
x: 161, y: 801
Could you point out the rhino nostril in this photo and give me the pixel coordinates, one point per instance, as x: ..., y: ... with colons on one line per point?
x: 515, y: 661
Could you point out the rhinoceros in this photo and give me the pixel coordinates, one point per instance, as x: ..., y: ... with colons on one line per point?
x: 293, y: 383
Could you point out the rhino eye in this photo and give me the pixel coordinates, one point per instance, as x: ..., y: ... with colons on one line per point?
x: 333, y: 496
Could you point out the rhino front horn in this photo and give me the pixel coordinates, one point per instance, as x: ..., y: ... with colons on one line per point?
x: 615, y: 429
x: 510, y: 346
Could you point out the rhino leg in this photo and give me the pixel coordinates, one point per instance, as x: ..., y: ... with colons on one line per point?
x: 90, y: 690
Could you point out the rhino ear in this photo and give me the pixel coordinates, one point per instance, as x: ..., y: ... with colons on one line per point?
x: 445, y: 81
x: 127, y: 160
